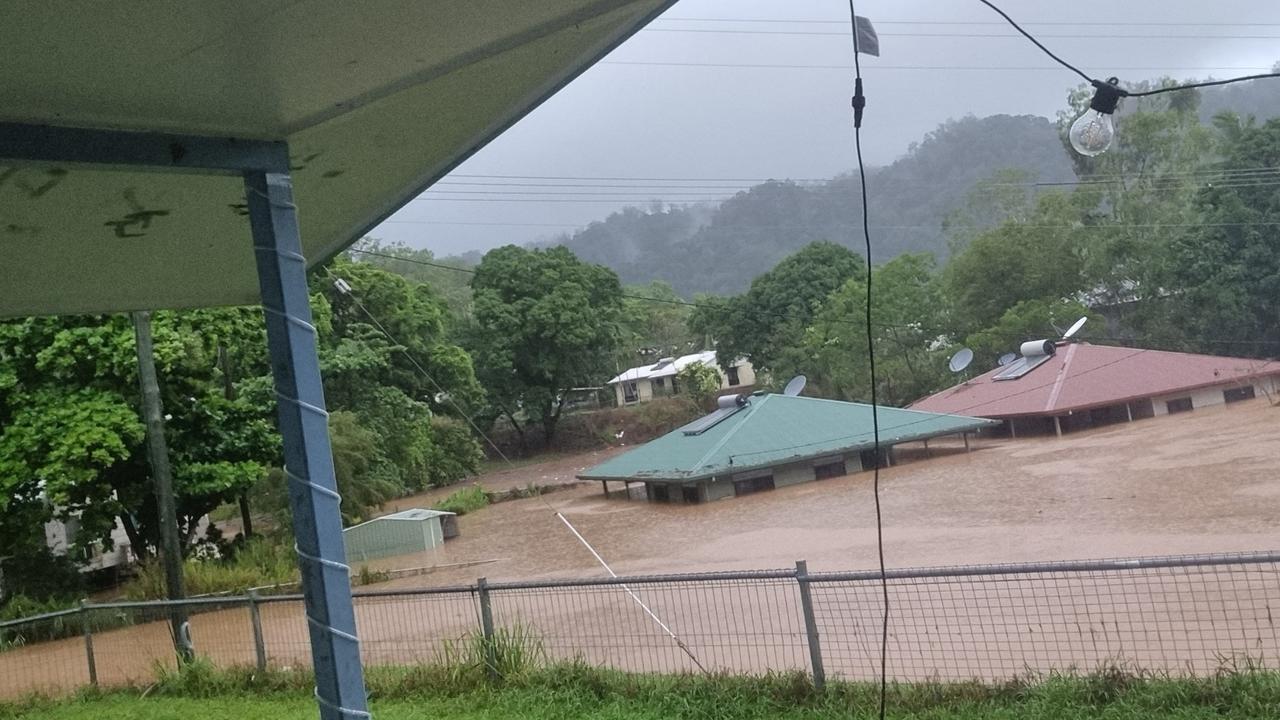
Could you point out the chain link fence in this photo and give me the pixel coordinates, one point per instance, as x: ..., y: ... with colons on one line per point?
x: 1180, y: 615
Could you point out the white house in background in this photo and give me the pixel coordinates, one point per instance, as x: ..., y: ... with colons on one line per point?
x: 645, y: 382
x: 60, y: 534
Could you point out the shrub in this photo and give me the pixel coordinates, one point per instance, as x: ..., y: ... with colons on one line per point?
x: 464, y: 501
x: 258, y: 563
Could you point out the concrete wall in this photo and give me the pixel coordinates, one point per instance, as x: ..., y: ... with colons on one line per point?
x: 644, y: 391
x: 1210, y: 396
x: 718, y: 488
x: 746, y: 375
x: 794, y: 474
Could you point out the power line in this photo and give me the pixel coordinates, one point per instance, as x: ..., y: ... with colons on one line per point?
x: 969, y: 22
x: 930, y: 68
x: 983, y: 36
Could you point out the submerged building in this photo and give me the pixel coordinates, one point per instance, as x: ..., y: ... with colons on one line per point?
x: 1064, y: 386
x: 760, y: 442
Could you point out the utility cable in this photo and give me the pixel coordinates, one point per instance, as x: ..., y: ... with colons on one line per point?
x: 1122, y: 92
x: 345, y: 290
x: 859, y: 104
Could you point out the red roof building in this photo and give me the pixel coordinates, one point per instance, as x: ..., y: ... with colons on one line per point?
x: 1081, y: 385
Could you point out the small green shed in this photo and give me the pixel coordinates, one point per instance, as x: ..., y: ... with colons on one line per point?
x: 401, y: 533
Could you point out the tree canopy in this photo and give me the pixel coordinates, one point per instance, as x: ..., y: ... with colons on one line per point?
x: 546, y: 322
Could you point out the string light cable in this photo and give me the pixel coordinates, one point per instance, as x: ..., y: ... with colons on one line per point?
x: 859, y: 103
x: 1093, y: 132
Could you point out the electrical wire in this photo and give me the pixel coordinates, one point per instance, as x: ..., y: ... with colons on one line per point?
x: 859, y: 102
x: 1095, y: 82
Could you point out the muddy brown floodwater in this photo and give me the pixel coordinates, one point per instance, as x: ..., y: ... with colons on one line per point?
x: 1204, y: 481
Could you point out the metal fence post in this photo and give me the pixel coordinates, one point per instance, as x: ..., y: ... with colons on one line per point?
x: 810, y: 625
x: 88, y: 644
x: 486, y: 628
x: 255, y: 618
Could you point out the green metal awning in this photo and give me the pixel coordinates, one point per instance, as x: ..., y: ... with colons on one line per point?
x: 376, y: 100
x: 775, y: 429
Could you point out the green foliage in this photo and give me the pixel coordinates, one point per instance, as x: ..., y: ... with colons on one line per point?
x: 466, y: 500
x: 909, y: 316
x: 654, y: 325
x: 1042, y: 258
x: 767, y: 323
x: 512, y: 654
x: 545, y: 322
x: 258, y: 564
x: 37, y: 574
x: 455, y: 454
x: 700, y: 382
x: 1224, y: 277
x: 199, y: 690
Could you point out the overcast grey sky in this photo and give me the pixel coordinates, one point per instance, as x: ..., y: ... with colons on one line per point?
x: 730, y: 126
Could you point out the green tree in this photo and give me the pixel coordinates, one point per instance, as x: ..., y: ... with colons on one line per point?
x: 1043, y: 258
x: 911, y: 330
x: 545, y: 322
x: 700, y: 382
x: 654, y: 324
x: 767, y: 323
x: 1223, y: 278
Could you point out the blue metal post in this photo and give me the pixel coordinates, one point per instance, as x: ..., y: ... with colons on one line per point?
x: 313, y: 496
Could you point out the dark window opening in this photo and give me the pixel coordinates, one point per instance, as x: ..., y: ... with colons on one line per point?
x: 661, y: 493
x: 829, y: 470
x: 629, y: 392
x: 691, y: 494
x: 1179, y: 405
x: 754, y: 485
x: 733, y: 376
x: 658, y: 382
x: 1237, y: 394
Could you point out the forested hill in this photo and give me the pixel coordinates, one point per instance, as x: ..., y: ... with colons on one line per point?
x: 719, y: 250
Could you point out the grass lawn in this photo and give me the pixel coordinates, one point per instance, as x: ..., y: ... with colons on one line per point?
x: 563, y: 693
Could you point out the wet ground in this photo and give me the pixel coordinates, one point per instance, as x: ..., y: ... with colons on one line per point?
x: 1205, y: 481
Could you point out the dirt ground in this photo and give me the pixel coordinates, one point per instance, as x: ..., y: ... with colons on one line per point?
x: 1198, y: 482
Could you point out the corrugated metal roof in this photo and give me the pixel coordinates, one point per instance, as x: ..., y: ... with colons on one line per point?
x: 1082, y: 376
x: 665, y: 367
x: 773, y: 429
x: 410, y: 514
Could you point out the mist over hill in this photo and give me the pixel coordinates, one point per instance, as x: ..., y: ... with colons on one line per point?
x: 720, y: 249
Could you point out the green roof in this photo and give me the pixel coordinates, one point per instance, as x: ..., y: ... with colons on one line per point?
x: 773, y: 429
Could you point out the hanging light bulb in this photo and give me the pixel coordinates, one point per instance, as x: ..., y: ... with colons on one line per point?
x: 1091, y: 134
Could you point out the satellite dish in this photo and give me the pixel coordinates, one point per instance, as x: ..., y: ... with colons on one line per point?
x: 1075, y: 328
x: 795, y: 385
x: 1007, y: 358
x: 960, y: 360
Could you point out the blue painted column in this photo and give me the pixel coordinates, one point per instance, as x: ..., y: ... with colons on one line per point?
x: 304, y: 423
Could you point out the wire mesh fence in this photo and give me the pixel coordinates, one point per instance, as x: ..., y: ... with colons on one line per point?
x: 1178, y: 615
